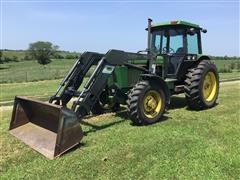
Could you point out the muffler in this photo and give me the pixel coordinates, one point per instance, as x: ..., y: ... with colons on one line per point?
x: 47, y: 128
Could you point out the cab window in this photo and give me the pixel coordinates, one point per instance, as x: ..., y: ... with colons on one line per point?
x: 192, y: 44
x: 176, y: 41
x: 159, y: 42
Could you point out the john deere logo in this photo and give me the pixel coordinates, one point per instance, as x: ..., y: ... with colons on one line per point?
x: 108, y: 69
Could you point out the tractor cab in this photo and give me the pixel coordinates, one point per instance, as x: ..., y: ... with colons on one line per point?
x: 177, y: 42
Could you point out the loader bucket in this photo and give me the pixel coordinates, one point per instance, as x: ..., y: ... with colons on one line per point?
x: 47, y: 128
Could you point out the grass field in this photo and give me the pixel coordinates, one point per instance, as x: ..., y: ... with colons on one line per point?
x: 185, y: 145
x: 18, y: 78
x: 229, y: 76
x: 41, y: 89
x: 10, y: 54
x: 31, y: 71
x: 20, y: 54
x: 28, y: 71
x: 226, y: 63
x: 44, y: 89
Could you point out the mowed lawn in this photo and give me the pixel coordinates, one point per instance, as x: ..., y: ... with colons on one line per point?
x: 185, y: 145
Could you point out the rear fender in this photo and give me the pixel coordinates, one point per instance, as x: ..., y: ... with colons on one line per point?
x: 203, y: 57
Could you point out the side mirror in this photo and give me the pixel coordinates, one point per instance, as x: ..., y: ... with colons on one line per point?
x: 204, y: 30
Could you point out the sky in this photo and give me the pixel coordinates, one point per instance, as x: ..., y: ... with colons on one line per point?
x: 102, y: 25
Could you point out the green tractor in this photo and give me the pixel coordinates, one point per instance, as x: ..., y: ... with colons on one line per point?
x: 175, y: 65
x: 144, y: 81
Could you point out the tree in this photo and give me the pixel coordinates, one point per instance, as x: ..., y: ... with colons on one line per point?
x: 42, y: 51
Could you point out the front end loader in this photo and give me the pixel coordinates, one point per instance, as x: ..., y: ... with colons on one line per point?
x: 173, y: 63
x: 48, y: 128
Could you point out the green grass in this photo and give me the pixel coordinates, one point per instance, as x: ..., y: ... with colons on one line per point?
x: 229, y: 76
x: 28, y: 71
x: 39, y: 90
x: 225, y: 63
x: 32, y: 71
x: 18, y: 54
x: 186, y: 145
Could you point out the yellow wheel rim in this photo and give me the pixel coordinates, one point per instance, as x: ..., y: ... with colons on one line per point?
x: 152, y: 103
x: 209, y: 87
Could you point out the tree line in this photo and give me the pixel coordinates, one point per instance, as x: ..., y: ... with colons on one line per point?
x: 224, y: 57
x: 44, y: 51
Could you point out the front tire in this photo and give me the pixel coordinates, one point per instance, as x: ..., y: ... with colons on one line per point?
x: 99, y: 108
x: 146, y: 103
x: 202, y: 86
x: 103, y: 105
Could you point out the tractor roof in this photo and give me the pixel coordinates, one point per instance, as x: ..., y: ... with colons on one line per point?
x: 176, y: 23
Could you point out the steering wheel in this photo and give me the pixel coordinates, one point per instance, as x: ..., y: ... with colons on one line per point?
x: 170, y: 50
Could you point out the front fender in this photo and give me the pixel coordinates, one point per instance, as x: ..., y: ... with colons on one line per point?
x: 159, y: 80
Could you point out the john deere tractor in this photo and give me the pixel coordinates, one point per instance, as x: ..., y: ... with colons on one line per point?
x: 173, y: 63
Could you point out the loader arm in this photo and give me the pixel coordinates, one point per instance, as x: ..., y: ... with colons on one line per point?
x: 106, y: 64
x: 70, y: 84
x: 97, y: 81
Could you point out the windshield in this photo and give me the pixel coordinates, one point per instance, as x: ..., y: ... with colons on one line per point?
x: 168, y: 41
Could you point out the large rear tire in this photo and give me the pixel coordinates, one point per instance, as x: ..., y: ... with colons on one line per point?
x: 202, y: 86
x: 146, y: 103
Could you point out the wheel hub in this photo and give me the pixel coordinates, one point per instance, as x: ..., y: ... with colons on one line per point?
x: 209, y: 86
x: 152, y: 104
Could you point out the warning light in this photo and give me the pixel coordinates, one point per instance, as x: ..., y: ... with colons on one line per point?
x: 174, y: 22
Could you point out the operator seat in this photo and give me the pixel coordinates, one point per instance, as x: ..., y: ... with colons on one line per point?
x: 174, y: 60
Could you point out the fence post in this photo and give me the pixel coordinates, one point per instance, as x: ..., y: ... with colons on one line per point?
x: 26, y: 76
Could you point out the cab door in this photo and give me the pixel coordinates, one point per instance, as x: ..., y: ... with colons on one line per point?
x: 176, y: 50
x: 183, y: 50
